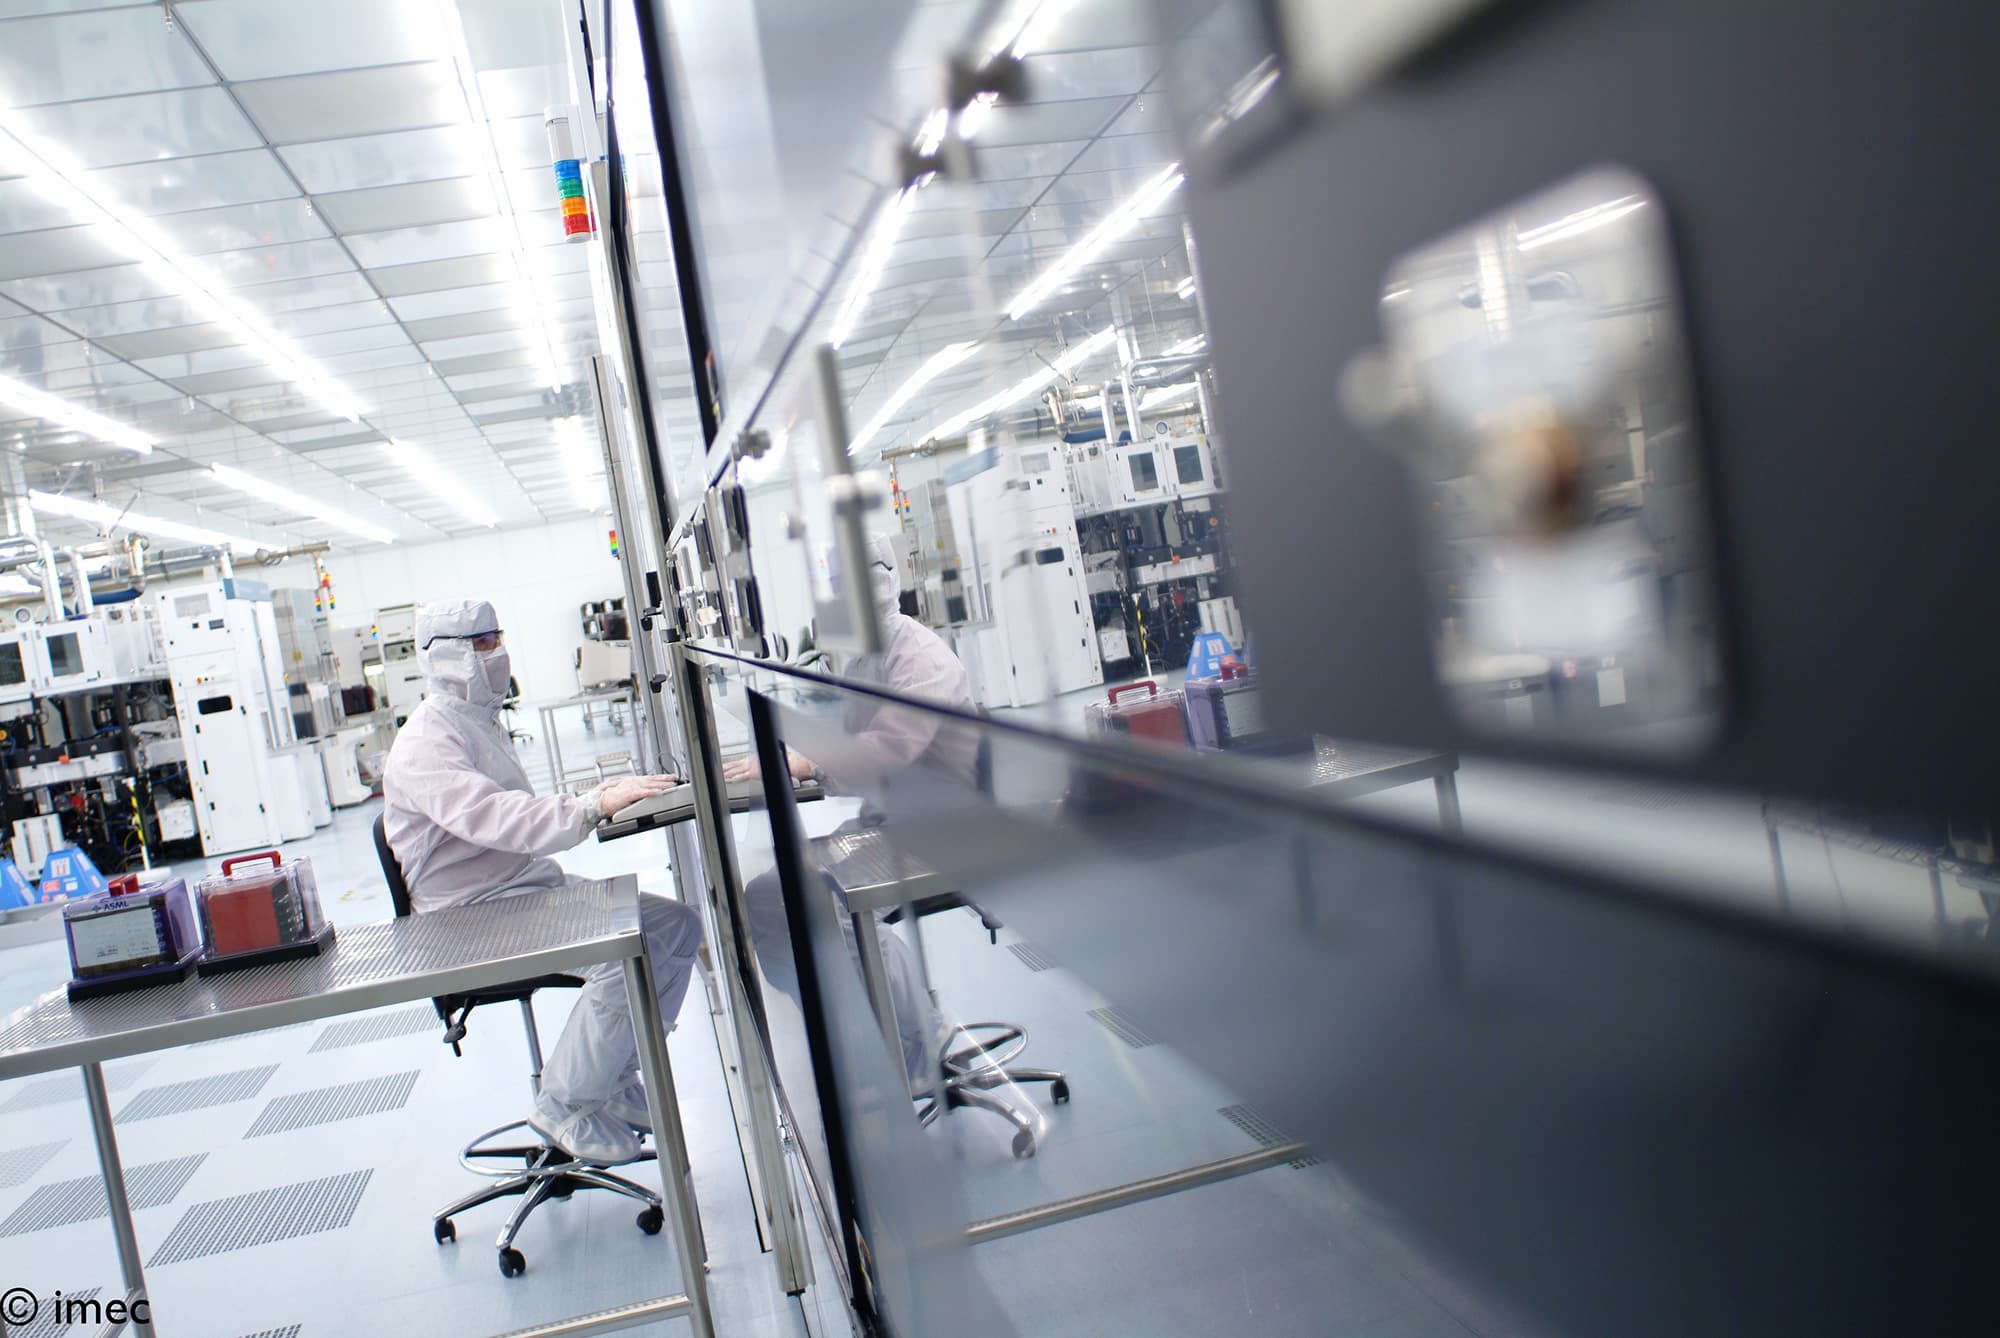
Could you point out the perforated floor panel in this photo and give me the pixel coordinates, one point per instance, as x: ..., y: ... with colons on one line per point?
x: 19, y: 1165
x: 378, y: 1027
x: 68, y: 1086
x: 289, y: 1331
x: 196, y: 1094
x: 1122, y: 1027
x: 1031, y: 956
x: 324, y: 1105
x: 242, y: 1220
x: 62, y: 1202
x: 1256, y: 1124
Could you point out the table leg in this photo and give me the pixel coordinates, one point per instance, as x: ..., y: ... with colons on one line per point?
x: 1448, y: 815
x: 669, y: 1140
x: 555, y: 746
x: 122, y: 1229
x: 875, y: 978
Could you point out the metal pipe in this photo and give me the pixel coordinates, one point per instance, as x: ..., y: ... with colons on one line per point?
x: 51, y: 584
x: 82, y: 579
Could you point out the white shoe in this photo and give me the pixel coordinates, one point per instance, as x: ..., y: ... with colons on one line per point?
x: 628, y: 1104
x: 585, y: 1132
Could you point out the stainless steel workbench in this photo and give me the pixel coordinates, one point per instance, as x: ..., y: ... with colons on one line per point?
x: 371, y: 966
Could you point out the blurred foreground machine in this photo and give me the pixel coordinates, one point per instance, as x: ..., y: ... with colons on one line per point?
x: 1574, y: 449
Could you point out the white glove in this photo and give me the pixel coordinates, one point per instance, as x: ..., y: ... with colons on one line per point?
x: 625, y: 791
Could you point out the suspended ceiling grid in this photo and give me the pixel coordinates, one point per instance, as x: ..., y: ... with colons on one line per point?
x: 316, y: 158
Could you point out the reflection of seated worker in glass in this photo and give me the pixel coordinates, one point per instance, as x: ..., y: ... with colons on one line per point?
x: 882, y: 741
x: 466, y: 827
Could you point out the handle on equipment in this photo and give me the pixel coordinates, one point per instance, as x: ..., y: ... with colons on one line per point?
x: 122, y: 884
x: 1152, y: 689
x: 230, y: 864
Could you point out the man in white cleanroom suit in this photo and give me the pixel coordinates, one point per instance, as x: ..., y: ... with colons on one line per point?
x: 466, y: 827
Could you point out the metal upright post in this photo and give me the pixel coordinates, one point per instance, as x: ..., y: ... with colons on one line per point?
x: 669, y: 1140
x: 122, y: 1230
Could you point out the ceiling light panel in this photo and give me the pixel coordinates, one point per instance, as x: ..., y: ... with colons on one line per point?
x: 255, y: 39
x: 348, y: 104
x: 1114, y: 226
x: 18, y: 397
x: 175, y: 185
x: 451, y: 490
x: 298, y: 504
x: 115, y: 131
x: 130, y: 51
x: 105, y: 516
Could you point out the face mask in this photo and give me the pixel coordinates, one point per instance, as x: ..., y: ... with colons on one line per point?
x: 498, y: 669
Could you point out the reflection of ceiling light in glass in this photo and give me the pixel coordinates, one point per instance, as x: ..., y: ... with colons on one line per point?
x: 301, y: 505
x: 419, y: 466
x: 586, y: 475
x: 1582, y: 221
x: 529, y: 309
x: 976, y: 113
x: 111, y: 517
x: 1023, y: 389
x: 1165, y: 395
x: 1115, y: 225
x: 938, y: 363
x: 43, y: 405
x: 61, y: 181
x: 880, y: 243
x: 1186, y: 346
x: 1185, y: 290
x: 1030, y: 27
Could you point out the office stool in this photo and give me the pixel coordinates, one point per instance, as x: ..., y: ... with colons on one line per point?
x: 972, y: 1071
x: 536, y: 1170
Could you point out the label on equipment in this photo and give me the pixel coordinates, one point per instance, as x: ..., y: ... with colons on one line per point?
x: 121, y: 938
x: 1611, y: 687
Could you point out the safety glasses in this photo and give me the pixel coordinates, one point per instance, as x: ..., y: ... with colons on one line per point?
x: 483, y: 642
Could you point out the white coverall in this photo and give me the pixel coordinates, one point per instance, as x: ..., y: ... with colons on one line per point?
x: 465, y: 826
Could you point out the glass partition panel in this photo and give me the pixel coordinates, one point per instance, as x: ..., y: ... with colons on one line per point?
x: 1279, y: 1072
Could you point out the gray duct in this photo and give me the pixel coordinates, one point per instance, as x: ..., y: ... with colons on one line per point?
x: 81, y: 577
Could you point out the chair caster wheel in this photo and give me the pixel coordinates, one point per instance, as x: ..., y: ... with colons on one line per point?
x: 444, y: 1229
x: 512, y: 1263
x: 651, y: 1220
x: 1024, y: 1143
x: 1059, y: 1091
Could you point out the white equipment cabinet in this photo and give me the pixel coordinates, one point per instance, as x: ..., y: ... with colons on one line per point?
x: 402, y: 680
x: 1011, y: 508
x: 250, y: 791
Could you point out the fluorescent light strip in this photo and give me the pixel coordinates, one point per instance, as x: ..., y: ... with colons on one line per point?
x: 942, y: 361
x: 1187, y: 346
x: 305, y: 506
x: 586, y: 478
x: 418, y: 464
x: 977, y: 112
x: 43, y: 405
x: 61, y: 181
x: 1023, y: 388
x: 529, y: 308
x: 873, y: 260
x: 1119, y: 222
x: 111, y: 517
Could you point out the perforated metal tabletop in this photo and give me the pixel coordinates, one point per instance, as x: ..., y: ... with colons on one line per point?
x: 873, y: 872
x: 367, y: 966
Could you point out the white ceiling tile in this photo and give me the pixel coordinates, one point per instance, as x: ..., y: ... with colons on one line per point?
x: 323, y: 290
x: 59, y: 250
x: 256, y: 39
x: 100, y: 54
x: 526, y: 90
x: 159, y: 313
x: 433, y: 275
x: 432, y: 154
x: 445, y: 350
x: 452, y: 301
x: 350, y: 103
x: 242, y: 227
x: 392, y: 355
x: 175, y: 185
x: 164, y: 343
x: 85, y: 288
x: 522, y: 143
x: 14, y: 9
x: 444, y: 241
x: 145, y: 127
x: 269, y: 264
x: 417, y: 204
x: 322, y: 320
x: 351, y: 341
x: 438, y: 328
x: 503, y: 33
x: 1047, y: 122
x: 25, y: 209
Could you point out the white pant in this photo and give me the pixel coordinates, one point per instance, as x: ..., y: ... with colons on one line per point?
x: 599, y: 1052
